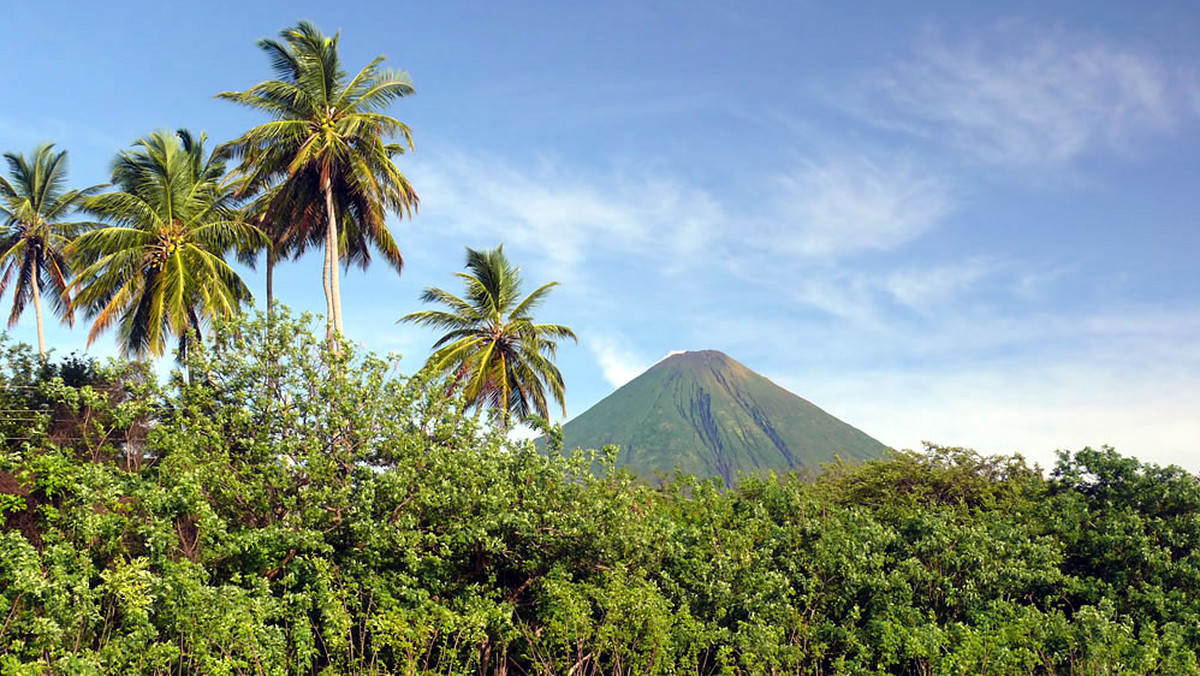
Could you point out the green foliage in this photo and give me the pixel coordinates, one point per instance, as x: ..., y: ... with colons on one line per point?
x: 158, y: 271
x: 35, y: 232
x: 291, y: 509
x: 492, y: 348
x: 324, y: 165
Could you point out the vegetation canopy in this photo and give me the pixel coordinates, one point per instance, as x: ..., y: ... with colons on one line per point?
x: 299, y: 510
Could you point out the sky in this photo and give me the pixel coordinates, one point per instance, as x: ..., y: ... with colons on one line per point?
x: 972, y: 224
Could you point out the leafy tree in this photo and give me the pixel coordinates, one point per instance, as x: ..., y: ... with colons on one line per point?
x: 325, y: 155
x: 158, y: 271
x: 493, y: 347
x: 301, y: 510
x: 35, y: 204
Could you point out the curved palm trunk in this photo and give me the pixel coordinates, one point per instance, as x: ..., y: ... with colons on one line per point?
x: 333, y: 289
x: 37, y: 310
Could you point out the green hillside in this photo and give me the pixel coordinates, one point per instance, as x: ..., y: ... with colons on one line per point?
x: 709, y: 415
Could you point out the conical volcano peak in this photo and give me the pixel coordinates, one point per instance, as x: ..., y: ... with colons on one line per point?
x: 698, y: 356
x: 707, y: 414
x: 701, y: 359
x: 712, y: 368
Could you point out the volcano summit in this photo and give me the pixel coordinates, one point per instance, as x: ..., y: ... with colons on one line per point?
x: 709, y: 415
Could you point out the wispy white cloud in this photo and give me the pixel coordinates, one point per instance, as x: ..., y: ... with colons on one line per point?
x: 569, y: 215
x: 1023, y: 96
x: 1028, y: 406
x: 849, y: 205
x: 1032, y: 384
x: 868, y: 297
x: 1033, y: 285
x: 847, y: 295
x: 617, y: 360
x: 825, y: 210
x: 927, y: 288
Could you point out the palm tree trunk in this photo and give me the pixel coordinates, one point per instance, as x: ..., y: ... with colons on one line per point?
x: 328, y: 293
x: 270, y: 284
x: 37, y: 310
x: 272, y: 380
x: 334, y: 259
x: 332, y: 286
x: 504, y: 393
x: 328, y: 290
x: 186, y: 346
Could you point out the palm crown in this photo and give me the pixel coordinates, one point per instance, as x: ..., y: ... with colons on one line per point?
x: 325, y: 156
x: 34, y: 204
x: 493, y: 348
x: 158, y: 270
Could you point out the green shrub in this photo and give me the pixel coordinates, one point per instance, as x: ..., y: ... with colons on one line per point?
x: 287, y: 508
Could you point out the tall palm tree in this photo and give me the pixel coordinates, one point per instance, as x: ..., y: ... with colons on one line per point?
x: 327, y: 153
x: 492, y: 346
x: 292, y: 221
x: 158, y: 270
x: 34, y: 205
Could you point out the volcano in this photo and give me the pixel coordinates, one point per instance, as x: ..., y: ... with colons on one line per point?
x: 706, y: 414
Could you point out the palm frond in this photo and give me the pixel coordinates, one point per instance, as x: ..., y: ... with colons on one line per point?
x: 501, y: 358
x: 37, y: 204
x: 438, y: 320
x: 327, y: 130
x: 158, y: 269
x: 533, y: 300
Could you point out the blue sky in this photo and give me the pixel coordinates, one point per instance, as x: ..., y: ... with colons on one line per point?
x: 974, y: 225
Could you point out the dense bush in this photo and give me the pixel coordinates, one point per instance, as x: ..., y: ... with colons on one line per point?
x: 287, y: 509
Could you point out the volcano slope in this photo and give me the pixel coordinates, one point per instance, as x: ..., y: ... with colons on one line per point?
x: 706, y: 414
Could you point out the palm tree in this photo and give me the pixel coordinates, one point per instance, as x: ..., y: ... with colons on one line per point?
x: 326, y: 153
x: 33, y: 237
x: 492, y: 343
x: 159, y: 271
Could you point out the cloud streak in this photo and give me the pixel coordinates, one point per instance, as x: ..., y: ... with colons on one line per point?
x: 929, y: 288
x: 617, y: 361
x: 825, y: 209
x: 1035, y: 407
x: 567, y: 215
x: 1022, y: 96
x: 845, y: 206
